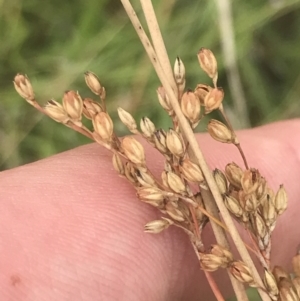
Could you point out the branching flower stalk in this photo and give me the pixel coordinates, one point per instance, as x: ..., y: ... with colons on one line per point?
x: 237, y: 193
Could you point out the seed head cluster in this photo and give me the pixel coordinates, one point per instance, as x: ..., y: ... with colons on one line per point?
x: 177, y: 193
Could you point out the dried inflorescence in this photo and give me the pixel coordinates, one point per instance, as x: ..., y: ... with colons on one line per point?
x: 177, y: 194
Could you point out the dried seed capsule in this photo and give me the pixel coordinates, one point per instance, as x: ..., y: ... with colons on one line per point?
x: 191, y: 171
x: 222, y: 252
x: 260, y: 226
x: 281, y: 200
x: 145, y: 179
x: 157, y: 226
x: 103, y: 126
x: 93, y: 82
x: 270, y: 283
x: 130, y: 173
x: 234, y: 174
x: 128, y: 120
x: 250, y: 180
x: 286, y: 290
x: 213, y: 99
x: 150, y: 193
x: 279, y: 273
x: 242, y: 273
x: 211, y: 262
x: 56, y: 111
x: 179, y: 71
x: 296, y: 283
x: 91, y: 108
x: 175, y: 143
x: 133, y: 150
x: 220, y: 132
x: 233, y: 205
x: 175, y: 183
x: 23, y: 87
x: 160, y: 141
x: 118, y: 164
x: 163, y: 99
x: 208, y: 62
x: 269, y: 213
x: 251, y: 203
x: 174, y: 212
x: 73, y: 105
x: 201, y: 91
x: 220, y: 180
x: 296, y: 264
x: 190, y: 106
x: 147, y: 127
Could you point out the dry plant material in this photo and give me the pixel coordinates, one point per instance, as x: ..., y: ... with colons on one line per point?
x: 181, y: 192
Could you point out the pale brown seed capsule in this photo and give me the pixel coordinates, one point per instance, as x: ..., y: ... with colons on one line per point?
x: 269, y: 214
x: 73, y: 105
x: 261, y: 191
x: 103, y: 126
x: 201, y: 91
x: 118, y: 164
x: 250, y: 180
x: 175, y: 182
x: 296, y: 264
x: 91, y: 108
x: 233, y: 205
x: 133, y: 150
x: 208, y: 62
x: 260, y: 226
x: 179, y: 71
x: 191, y: 171
x: 23, y: 87
x: 174, y: 212
x: 220, y: 180
x: 147, y: 127
x: 199, y: 214
x: 175, y: 143
x: 251, y: 203
x: 242, y: 273
x: 280, y: 200
x: 130, y: 173
x: 213, y: 99
x: 93, y: 82
x: 220, y: 132
x: 128, y: 120
x: 296, y: 283
x: 157, y: 226
x: 145, y: 179
x: 222, y: 252
x: 56, y: 111
x: 163, y: 99
x: 234, y: 174
x: 279, y: 273
x: 211, y: 262
x: 190, y: 106
x: 286, y: 290
x: 150, y: 193
x: 160, y: 141
x: 270, y: 283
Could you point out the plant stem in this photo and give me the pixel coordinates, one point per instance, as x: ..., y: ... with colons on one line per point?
x: 158, y: 41
x: 188, y: 132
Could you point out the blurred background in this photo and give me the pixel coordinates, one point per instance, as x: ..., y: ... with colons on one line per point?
x: 55, y: 42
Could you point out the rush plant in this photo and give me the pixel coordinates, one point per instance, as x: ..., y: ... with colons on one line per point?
x: 188, y: 194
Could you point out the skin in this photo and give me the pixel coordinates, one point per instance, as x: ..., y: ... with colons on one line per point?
x: 71, y: 229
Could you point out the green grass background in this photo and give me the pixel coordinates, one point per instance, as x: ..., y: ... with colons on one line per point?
x: 55, y: 42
